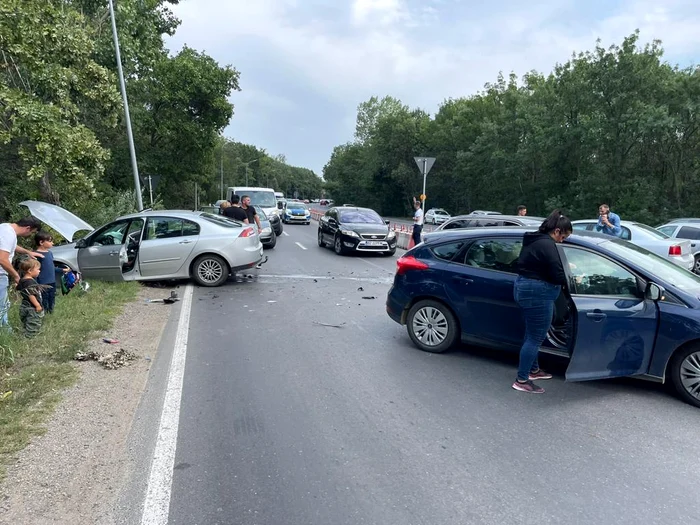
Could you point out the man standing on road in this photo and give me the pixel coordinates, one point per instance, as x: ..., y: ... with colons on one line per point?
x: 8, y: 245
x: 522, y: 210
x: 250, y: 212
x: 608, y: 222
x: 417, y: 222
x: 235, y: 211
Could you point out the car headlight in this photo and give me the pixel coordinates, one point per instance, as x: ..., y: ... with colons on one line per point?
x: 267, y: 230
x: 349, y: 233
x: 391, y: 235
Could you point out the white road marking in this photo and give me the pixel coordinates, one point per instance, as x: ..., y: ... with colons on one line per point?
x: 285, y: 233
x: 300, y: 245
x: 157, y: 504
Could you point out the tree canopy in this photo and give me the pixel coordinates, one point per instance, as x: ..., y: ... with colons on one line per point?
x: 615, y: 125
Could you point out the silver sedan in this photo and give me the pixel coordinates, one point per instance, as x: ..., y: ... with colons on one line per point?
x: 155, y: 245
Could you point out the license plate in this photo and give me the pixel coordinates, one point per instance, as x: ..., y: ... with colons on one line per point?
x: 374, y: 243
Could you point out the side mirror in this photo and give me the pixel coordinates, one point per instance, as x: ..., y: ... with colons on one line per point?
x: 387, y: 222
x: 81, y: 243
x: 654, y: 292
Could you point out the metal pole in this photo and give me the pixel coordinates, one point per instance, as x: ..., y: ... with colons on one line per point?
x: 150, y: 189
x: 246, y: 175
x: 132, y: 149
x: 425, y: 175
x: 222, y: 172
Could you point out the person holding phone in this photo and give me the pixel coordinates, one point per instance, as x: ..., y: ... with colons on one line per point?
x: 608, y: 222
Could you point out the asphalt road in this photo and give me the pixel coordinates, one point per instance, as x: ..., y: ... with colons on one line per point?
x: 285, y: 420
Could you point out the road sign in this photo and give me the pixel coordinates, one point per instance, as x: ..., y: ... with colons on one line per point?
x: 424, y: 164
x: 422, y: 197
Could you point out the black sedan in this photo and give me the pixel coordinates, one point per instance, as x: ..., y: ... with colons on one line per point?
x: 355, y: 230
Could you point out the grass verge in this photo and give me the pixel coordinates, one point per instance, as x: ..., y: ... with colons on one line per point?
x: 33, y: 372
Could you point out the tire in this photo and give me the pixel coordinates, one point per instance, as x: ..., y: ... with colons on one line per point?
x: 210, y: 270
x: 684, y: 370
x: 421, y: 325
x: 390, y: 252
x: 271, y: 245
x: 321, y: 243
x: 338, y: 246
x: 281, y: 229
x: 696, y: 268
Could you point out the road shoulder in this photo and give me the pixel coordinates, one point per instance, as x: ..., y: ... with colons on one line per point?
x: 72, y: 473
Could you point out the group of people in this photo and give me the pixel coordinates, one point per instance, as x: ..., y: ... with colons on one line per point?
x: 239, y: 209
x: 34, y: 277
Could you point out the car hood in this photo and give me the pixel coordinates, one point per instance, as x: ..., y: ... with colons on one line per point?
x: 63, y: 221
x: 381, y: 229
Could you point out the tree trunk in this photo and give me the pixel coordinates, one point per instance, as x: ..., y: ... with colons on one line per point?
x: 46, y: 192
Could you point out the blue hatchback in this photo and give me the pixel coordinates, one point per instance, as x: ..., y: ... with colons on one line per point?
x: 626, y: 312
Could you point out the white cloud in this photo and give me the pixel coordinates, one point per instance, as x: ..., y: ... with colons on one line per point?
x: 386, y: 12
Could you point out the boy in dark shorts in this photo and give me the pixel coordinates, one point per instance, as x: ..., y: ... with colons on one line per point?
x: 31, y: 313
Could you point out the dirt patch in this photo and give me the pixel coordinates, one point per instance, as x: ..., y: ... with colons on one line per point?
x: 72, y: 473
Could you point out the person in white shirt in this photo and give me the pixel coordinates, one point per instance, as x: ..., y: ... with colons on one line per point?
x: 417, y: 222
x: 8, y: 245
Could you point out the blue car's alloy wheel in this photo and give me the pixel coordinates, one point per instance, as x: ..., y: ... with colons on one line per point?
x: 431, y: 326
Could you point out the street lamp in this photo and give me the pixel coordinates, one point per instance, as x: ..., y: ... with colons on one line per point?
x: 246, y: 164
x: 127, y: 118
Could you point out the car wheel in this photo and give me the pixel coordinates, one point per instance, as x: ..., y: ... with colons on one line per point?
x: 270, y: 245
x: 432, y: 326
x: 696, y: 268
x: 321, y: 243
x: 338, y: 245
x: 684, y: 369
x: 210, y: 270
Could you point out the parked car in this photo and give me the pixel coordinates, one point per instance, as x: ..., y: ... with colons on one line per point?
x: 676, y: 251
x: 689, y: 220
x: 267, y: 236
x: 155, y: 246
x: 355, y: 230
x: 462, y: 222
x: 482, y: 212
x: 685, y: 230
x: 296, y: 212
x: 627, y: 311
x: 263, y: 197
x: 436, y: 216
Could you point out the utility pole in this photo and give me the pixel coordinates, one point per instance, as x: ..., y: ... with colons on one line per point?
x: 127, y: 118
x: 424, y: 164
x: 222, y: 171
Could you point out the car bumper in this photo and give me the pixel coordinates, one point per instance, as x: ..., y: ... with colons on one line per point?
x: 684, y: 261
x: 297, y: 218
x: 396, y: 304
x: 368, y: 245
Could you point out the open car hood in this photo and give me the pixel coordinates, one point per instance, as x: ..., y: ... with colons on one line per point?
x: 63, y: 221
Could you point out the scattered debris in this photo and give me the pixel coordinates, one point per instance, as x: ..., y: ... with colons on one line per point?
x: 110, y: 361
x: 360, y: 289
x: 369, y: 297
x: 329, y: 324
x: 315, y: 280
x: 214, y: 296
x: 272, y: 302
x: 110, y: 341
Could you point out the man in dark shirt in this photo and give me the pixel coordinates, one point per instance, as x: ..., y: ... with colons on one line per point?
x: 250, y: 212
x: 235, y: 211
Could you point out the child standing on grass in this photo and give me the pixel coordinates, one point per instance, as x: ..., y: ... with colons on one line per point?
x: 47, y: 276
x: 31, y: 313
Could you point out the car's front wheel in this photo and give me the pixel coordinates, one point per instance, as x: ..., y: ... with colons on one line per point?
x: 696, y: 268
x: 338, y: 245
x: 321, y: 242
x: 432, y: 326
x: 273, y: 242
x: 210, y: 270
x: 684, y: 370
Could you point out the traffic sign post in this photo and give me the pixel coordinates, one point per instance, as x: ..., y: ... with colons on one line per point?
x: 424, y: 164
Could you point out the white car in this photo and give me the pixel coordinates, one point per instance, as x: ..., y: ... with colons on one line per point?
x: 688, y: 229
x: 675, y: 250
x: 154, y: 245
x: 436, y: 216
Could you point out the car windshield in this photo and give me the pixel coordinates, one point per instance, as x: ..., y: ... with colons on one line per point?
x: 649, y: 232
x: 360, y: 217
x: 296, y: 206
x: 656, y: 265
x: 266, y: 199
x: 261, y: 213
x: 220, y: 220
x: 440, y: 212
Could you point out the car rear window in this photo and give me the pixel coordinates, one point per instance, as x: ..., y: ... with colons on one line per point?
x: 221, y: 221
x: 448, y: 251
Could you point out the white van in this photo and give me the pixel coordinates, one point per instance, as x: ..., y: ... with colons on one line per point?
x: 279, y: 196
x: 263, y: 197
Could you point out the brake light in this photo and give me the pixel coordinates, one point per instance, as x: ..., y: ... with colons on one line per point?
x: 674, y: 250
x: 405, y: 264
x: 247, y: 232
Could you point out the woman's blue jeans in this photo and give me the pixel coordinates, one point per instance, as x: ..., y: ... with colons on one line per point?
x: 536, y: 300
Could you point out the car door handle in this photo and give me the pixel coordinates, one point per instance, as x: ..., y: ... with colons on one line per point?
x: 465, y: 280
x: 186, y: 242
x: 596, y: 315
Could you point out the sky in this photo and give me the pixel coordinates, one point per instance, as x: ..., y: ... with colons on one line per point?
x: 307, y: 64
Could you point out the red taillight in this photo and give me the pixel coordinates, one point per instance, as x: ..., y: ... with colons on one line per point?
x: 247, y: 232
x: 405, y: 264
x: 674, y: 250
